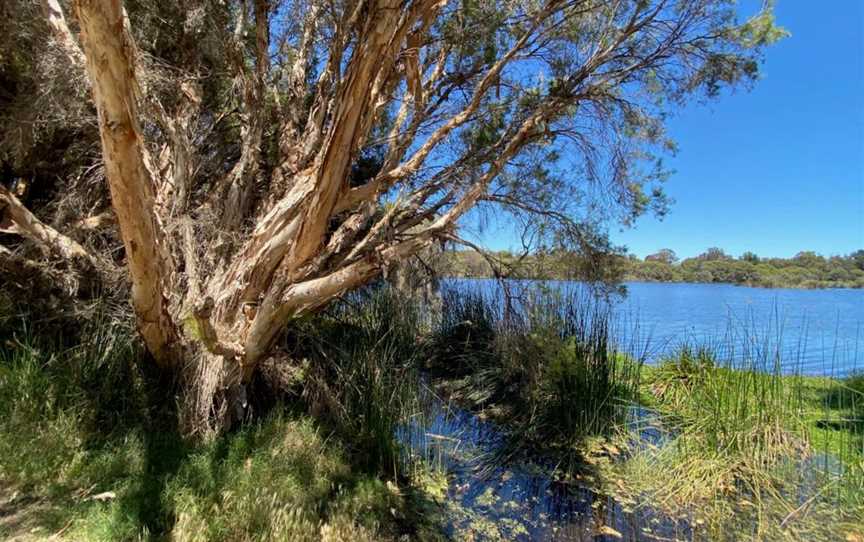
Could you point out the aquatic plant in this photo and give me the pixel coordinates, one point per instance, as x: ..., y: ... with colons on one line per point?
x: 755, y: 452
x: 464, y: 341
x: 544, y: 364
x: 675, y: 376
x: 361, y: 371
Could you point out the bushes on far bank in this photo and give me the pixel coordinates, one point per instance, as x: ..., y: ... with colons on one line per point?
x: 835, y: 272
x: 805, y: 270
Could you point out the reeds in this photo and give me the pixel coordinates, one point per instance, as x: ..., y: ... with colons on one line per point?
x: 753, y: 452
x: 546, y: 364
x: 362, y: 359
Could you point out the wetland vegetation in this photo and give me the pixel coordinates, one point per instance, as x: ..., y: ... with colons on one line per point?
x: 222, y: 226
x: 475, y: 417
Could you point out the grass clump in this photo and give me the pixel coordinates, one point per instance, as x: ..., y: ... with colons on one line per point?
x: 278, y: 480
x: 747, y: 413
x: 746, y: 453
x: 544, y: 365
x: 733, y: 425
x: 361, y: 363
x: 90, y: 450
x: 674, y: 379
x: 842, y: 402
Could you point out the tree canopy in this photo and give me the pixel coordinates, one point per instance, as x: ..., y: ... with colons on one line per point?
x: 262, y: 157
x: 812, y: 271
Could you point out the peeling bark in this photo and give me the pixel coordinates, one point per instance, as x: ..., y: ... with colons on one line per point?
x: 283, y: 232
x: 57, y: 21
x: 238, y: 184
x: 111, y: 66
x: 16, y: 219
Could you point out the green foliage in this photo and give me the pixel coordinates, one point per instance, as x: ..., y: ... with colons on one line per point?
x: 89, y: 444
x: 79, y: 417
x: 805, y: 270
x: 465, y: 338
x: 546, y: 367
x: 750, y: 415
x: 745, y: 443
x: 675, y: 378
x: 275, y: 480
x: 665, y: 255
x: 603, y: 266
x: 760, y: 30
x: 839, y: 414
x: 582, y: 390
x: 361, y: 371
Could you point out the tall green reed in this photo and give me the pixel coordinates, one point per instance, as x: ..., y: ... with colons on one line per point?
x: 546, y: 363
x: 362, y: 360
x: 755, y: 439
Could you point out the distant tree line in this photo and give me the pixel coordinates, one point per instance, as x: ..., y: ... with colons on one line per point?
x: 805, y: 270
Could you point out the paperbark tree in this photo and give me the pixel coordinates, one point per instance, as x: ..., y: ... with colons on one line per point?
x: 362, y: 132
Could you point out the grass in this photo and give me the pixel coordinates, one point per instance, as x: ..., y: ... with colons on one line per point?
x: 362, y: 372
x: 753, y: 452
x: 279, y: 479
x: 545, y: 367
x: 731, y: 426
x: 89, y: 448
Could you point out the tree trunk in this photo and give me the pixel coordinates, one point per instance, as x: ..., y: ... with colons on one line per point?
x: 111, y: 67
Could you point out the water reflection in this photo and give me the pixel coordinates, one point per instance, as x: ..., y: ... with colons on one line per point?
x: 519, y: 500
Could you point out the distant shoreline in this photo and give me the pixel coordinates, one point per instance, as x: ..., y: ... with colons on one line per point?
x: 807, y: 270
x: 625, y: 280
x: 826, y: 286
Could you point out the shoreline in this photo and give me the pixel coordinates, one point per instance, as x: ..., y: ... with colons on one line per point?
x: 634, y: 280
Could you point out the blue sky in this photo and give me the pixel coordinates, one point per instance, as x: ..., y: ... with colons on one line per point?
x: 775, y: 170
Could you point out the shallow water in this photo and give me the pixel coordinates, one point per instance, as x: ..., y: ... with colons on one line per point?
x: 487, y: 499
x: 493, y: 498
x: 817, y: 332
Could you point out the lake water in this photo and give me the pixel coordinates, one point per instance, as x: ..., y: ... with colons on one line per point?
x: 817, y: 332
x: 517, y: 500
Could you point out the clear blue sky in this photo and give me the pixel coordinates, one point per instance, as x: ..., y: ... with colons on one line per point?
x: 775, y: 170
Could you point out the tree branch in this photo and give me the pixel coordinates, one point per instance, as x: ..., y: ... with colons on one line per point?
x: 16, y: 219
x: 57, y: 21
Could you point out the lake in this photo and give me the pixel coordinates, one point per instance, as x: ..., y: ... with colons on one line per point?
x: 816, y: 332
